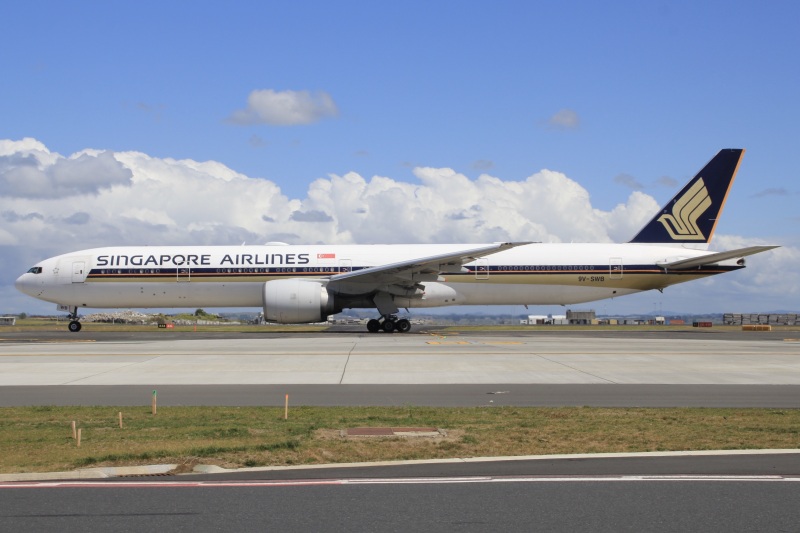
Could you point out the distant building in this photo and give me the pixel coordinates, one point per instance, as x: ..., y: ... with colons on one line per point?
x: 581, y: 317
x: 545, y: 320
x: 8, y: 320
x: 736, y: 319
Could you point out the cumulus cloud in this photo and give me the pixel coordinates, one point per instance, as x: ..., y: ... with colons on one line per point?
x: 168, y: 201
x: 129, y: 198
x: 29, y: 170
x: 285, y: 108
x: 758, y: 287
x: 565, y: 119
x: 311, y: 216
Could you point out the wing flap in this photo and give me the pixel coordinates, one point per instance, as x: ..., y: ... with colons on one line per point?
x: 407, y: 273
x: 711, y: 259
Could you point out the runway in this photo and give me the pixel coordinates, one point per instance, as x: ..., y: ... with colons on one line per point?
x: 693, y: 503
x: 351, y: 368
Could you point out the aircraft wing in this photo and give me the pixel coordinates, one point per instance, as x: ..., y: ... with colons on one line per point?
x: 408, y: 273
x: 714, y: 258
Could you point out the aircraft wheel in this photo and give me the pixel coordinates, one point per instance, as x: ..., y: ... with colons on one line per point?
x: 74, y: 326
x: 373, y: 326
x: 403, y: 325
x: 388, y: 326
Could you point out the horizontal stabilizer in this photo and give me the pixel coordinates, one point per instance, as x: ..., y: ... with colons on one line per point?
x: 714, y: 258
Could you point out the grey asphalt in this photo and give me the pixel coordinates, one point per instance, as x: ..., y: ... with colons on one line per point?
x: 506, y: 504
x: 454, y: 395
x: 598, y: 368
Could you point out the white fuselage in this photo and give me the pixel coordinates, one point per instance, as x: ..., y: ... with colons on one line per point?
x: 234, y: 276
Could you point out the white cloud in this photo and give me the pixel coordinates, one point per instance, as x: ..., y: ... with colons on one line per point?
x: 34, y: 173
x: 769, y: 276
x: 168, y: 201
x: 565, y: 119
x: 285, y: 108
x: 625, y: 220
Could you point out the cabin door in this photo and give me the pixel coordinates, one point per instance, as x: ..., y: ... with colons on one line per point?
x: 615, y: 269
x: 78, y: 271
x: 482, y: 268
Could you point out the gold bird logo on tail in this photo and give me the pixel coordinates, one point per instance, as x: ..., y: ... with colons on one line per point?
x: 682, y: 223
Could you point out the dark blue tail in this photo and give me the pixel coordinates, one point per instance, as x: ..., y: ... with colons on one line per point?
x: 692, y: 215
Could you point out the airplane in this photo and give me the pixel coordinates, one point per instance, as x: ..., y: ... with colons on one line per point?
x: 307, y: 283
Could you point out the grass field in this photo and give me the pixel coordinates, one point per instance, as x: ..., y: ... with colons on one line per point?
x: 39, y: 439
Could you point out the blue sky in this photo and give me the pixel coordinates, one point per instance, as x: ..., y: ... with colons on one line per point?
x: 616, y: 96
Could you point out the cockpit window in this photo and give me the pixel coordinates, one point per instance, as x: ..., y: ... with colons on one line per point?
x: 35, y: 270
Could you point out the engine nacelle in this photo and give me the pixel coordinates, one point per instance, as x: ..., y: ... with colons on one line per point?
x: 296, y: 301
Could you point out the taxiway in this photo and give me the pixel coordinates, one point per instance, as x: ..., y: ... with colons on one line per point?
x: 519, y: 368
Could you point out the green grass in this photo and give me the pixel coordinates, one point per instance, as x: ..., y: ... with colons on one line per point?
x: 38, y: 439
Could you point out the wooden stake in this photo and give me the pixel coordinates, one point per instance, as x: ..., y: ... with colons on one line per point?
x: 154, y: 402
x: 74, y: 435
x: 120, y: 420
x: 79, y: 437
x: 286, y: 408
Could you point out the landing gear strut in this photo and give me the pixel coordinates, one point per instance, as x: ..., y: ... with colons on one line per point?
x: 389, y: 324
x: 74, y: 326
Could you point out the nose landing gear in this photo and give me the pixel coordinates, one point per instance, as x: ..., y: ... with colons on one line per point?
x: 74, y: 326
x: 389, y: 324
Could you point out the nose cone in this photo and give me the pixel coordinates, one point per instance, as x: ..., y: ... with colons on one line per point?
x: 24, y: 284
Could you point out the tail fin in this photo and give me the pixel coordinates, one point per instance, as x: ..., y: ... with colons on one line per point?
x: 692, y: 215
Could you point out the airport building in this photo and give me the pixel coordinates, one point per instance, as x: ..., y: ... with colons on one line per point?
x: 581, y: 318
x: 571, y: 318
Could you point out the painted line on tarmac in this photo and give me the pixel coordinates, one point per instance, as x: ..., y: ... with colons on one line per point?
x: 400, y: 481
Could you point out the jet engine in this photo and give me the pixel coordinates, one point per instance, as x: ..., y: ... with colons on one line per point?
x: 296, y: 301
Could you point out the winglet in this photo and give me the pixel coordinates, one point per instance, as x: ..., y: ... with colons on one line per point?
x: 692, y: 215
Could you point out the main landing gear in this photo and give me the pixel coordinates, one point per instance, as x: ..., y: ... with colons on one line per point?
x: 389, y: 324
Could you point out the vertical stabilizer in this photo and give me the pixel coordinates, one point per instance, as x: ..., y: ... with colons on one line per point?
x: 692, y: 215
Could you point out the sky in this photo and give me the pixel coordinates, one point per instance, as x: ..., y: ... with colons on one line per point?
x: 407, y: 122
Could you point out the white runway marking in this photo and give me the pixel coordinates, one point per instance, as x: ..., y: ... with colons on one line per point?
x: 397, y: 481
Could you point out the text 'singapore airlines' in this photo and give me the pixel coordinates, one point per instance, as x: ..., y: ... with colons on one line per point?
x: 307, y: 283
